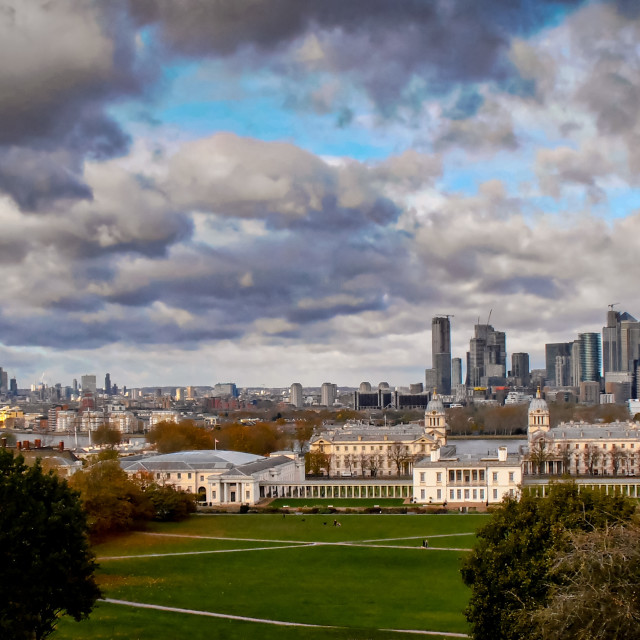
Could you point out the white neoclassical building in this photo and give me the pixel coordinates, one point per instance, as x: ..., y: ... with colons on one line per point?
x: 219, y: 477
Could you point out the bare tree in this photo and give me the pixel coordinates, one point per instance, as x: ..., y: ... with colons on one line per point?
x: 592, y: 456
x: 363, y: 461
x: 375, y: 462
x: 398, y: 455
x: 538, y: 454
x: 618, y: 459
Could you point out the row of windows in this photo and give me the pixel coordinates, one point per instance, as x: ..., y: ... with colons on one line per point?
x: 372, y: 447
x: 178, y: 476
x: 467, y: 475
x: 559, y: 447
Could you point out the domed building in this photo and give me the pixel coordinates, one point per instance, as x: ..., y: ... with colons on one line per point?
x: 435, y: 421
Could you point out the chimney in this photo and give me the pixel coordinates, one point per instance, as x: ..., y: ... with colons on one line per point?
x: 502, y: 454
x: 19, y: 445
x: 38, y: 444
x: 435, y: 455
x: 61, y: 445
x: 26, y: 445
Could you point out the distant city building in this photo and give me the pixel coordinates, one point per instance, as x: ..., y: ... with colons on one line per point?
x: 328, y: 394
x: 551, y: 351
x: 441, y: 353
x: 225, y: 389
x: 590, y: 357
x: 520, y: 369
x: 107, y: 384
x: 88, y: 383
x: 487, y: 357
x: 456, y: 372
x: 297, y: 399
x: 365, y: 387
x: 13, y: 387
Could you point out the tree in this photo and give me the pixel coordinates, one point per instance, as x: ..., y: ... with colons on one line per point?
x: 170, y: 505
x: 113, y: 501
x: 375, y: 462
x: 539, y: 454
x: 317, y: 462
x: 107, y: 435
x: 398, y: 455
x: 592, y: 455
x: 46, y: 567
x: 170, y: 436
x: 509, y: 569
x: 364, y: 460
x: 595, y: 594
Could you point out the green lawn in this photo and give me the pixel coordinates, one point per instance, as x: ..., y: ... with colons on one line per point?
x: 358, y: 586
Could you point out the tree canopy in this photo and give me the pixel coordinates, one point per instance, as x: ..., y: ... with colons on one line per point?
x: 595, y: 595
x: 170, y: 436
x: 509, y: 570
x: 46, y: 567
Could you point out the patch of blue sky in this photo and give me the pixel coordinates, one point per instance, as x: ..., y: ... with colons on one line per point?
x: 621, y: 203
x: 466, y: 177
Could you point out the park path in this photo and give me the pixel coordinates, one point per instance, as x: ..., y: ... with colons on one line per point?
x: 282, y: 623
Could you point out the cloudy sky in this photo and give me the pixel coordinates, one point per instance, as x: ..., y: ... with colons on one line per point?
x: 270, y: 191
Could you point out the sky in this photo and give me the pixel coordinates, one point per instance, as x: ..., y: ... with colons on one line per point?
x: 279, y: 191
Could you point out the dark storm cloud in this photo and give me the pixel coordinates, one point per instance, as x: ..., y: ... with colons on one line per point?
x: 444, y: 43
x: 61, y: 63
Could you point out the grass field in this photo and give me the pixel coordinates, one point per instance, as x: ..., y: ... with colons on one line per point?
x: 363, y: 579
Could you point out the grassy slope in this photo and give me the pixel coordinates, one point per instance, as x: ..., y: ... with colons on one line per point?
x: 361, y: 588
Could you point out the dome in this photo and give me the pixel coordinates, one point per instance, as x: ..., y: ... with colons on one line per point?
x: 538, y: 404
x: 435, y: 404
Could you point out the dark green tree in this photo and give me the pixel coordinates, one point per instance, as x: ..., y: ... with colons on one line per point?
x: 46, y: 567
x: 170, y: 505
x: 509, y: 570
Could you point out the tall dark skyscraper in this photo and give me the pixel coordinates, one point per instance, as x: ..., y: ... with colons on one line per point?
x: 611, y: 342
x: 441, y: 353
x: 107, y: 384
x: 520, y: 368
x: 590, y: 356
x: 551, y: 351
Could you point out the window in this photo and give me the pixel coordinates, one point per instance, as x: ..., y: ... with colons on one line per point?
x: 466, y: 494
x: 495, y: 476
x: 422, y: 494
x: 459, y: 494
x: 577, y: 446
x: 510, y: 476
x: 474, y: 475
x: 189, y: 476
x: 481, y: 475
x: 363, y: 448
x: 179, y: 476
x: 421, y: 477
x: 511, y: 492
x: 338, y: 448
x: 459, y: 476
x: 481, y: 494
x: 439, y: 476
x: 467, y: 477
x: 213, y: 495
x: 632, y: 445
x: 179, y: 488
x: 201, y: 478
x: 475, y: 494
x: 247, y: 495
x: 451, y: 494
x: 168, y: 476
x: 623, y: 445
x: 157, y: 475
x: 452, y: 475
x: 495, y: 494
x: 439, y: 494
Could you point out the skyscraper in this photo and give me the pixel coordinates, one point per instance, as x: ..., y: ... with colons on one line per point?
x: 551, y: 351
x: 487, y: 356
x: 520, y: 368
x: 88, y: 383
x: 441, y: 353
x: 107, y: 384
x: 296, y: 395
x: 611, y: 342
x: 456, y: 371
x: 590, y: 357
x: 328, y: 394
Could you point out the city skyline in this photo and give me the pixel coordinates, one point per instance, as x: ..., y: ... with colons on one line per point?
x: 291, y: 191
